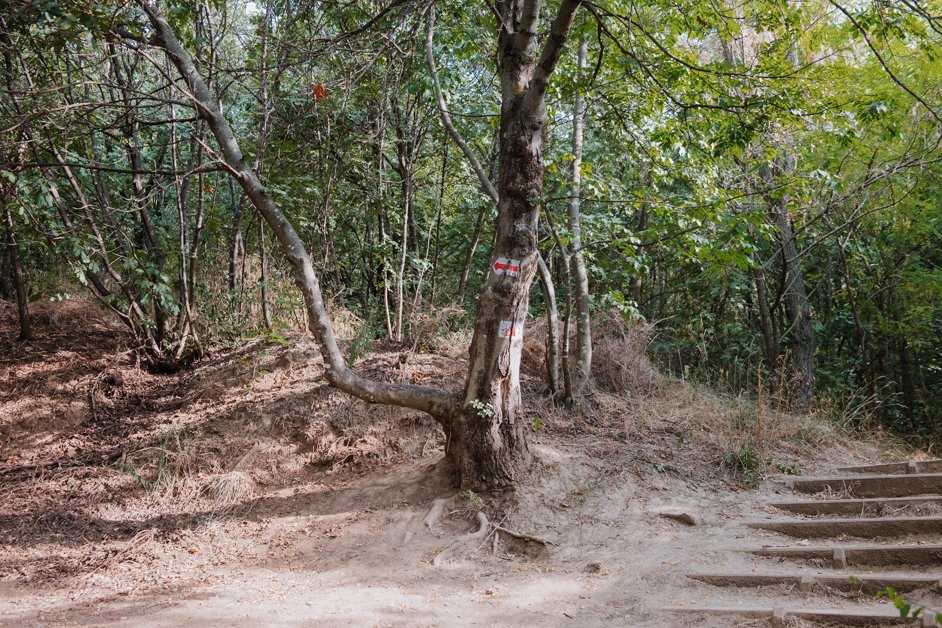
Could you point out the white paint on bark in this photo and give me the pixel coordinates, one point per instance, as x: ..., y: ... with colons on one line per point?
x: 510, y: 329
x: 506, y: 266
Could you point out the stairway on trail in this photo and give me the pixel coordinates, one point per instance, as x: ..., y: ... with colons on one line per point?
x: 853, y: 534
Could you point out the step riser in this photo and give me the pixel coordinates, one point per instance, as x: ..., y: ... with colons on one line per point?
x: 777, y: 616
x: 855, y: 506
x: 869, y: 528
x: 883, y: 502
x: 875, y: 486
x: 919, y: 466
x: 888, y: 556
x: 797, y: 583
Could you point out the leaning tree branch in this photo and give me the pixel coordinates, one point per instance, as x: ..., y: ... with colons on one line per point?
x: 425, y: 398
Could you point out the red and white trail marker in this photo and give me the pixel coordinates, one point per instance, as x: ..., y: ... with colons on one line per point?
x: 510, y: 329
x: 509, y: 267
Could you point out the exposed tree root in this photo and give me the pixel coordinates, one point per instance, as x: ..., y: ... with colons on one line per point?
x: 485, y: 529
x: 435, y: 513
x: 484, y: 526
x: 523, y: 537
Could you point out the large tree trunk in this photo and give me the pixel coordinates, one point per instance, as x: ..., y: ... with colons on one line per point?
x: 488, y: 440
x: 489, y: 444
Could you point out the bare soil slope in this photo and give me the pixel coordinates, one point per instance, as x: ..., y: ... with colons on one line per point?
x: 244, y: 491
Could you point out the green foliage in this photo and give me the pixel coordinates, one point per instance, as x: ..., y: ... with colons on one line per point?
x: 360, y: 344
x: 746, y: 460
x: 273, y: 337
x: 482, y: 409
x: 905, y: 607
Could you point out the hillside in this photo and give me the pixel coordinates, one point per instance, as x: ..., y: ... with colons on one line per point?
x: 245, y: 491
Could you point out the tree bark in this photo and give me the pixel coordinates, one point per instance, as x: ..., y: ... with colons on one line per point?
x: 546, y: 278
x: 19, y: 284
x: 236, y: 242
x: 862, y: 341
x: 800, y: 334
x: 267, y: 108
x: 906, y: 386
x: 469, y: 258
x: 263, y: 276
x: 6, y: 291
x: 769, y: 342
x: 552, y: 323
x: 579, y: 277
x: 488, y: 441
x: 438, y: 221
x: 564, y: 349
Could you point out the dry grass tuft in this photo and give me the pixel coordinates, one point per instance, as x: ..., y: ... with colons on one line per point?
x: 620, y: 363
x: 228, y: 490
x: 533, y: 356
x: 72, y: 313
x: 345, y: 323
x: 435, y: 330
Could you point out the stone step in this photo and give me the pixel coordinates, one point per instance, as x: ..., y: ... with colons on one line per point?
x: 871, y: 485
x: 840, y: 556
x: 854, y: 506
x: 912, y: 466
x: 870, y: 583
x: 778, y: 615
x: 870, y: 528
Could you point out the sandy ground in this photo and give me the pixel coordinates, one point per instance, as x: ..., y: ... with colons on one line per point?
x: 244, y: 492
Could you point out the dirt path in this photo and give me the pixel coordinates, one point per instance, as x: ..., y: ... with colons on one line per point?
x: 245, y: 492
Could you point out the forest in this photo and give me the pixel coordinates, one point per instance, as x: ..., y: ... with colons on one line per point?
x: 754, y: 186
x: 509, y: 313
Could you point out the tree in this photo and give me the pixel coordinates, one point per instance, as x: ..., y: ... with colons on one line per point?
x: 486, y: 436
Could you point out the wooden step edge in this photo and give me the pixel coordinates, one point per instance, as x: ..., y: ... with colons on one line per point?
x: 843, y: 555
x: 799, y: 479
x: 928, y: 547
x: 757, y: 523
x: 870, y: 527
x: 908, y: 466
x: 778, y: 614
x: 870, y: 583
x: 862, y: 486
x: 847, y: 506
